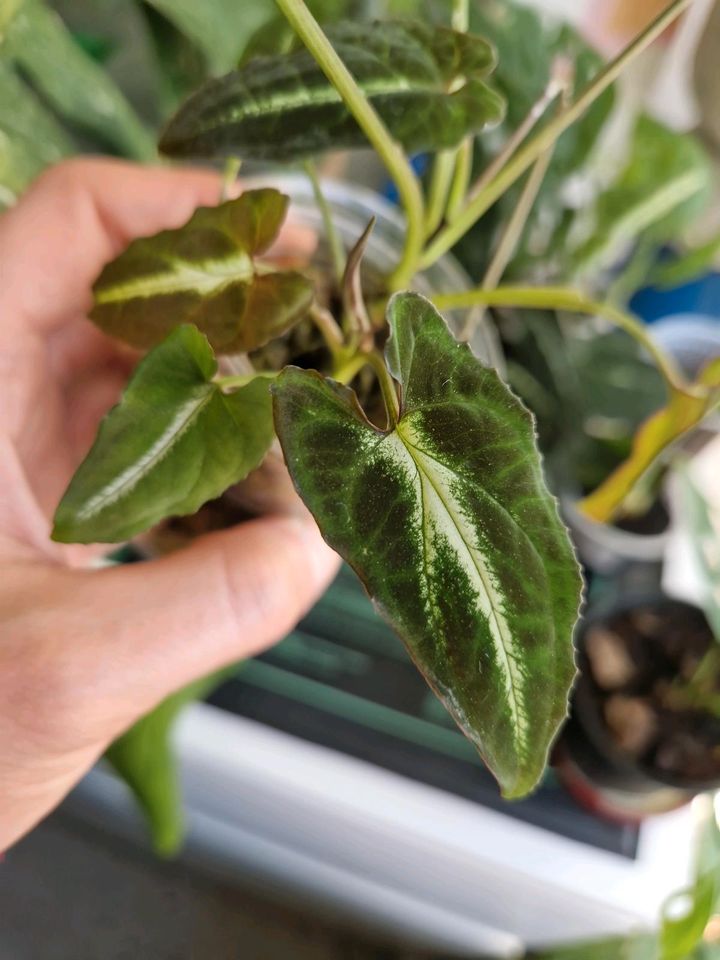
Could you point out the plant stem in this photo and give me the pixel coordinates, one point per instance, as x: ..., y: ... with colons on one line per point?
x: 510, y: 238
x: 243, y: 379
x: 461, y: 178
x: 348, y: 369
x: 524, y: 159
x: 328, y: 327
x: 442, y: 175
x: 337, y: 252
x: 562, y: 75
x: 387, y: 385
x: 565, y: 298
x: 389, y: 151
x: 461, y: 15
x: 230, y: 172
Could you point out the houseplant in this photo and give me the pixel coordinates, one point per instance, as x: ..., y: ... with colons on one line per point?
x: 451, y: 533
x: 645, y: 728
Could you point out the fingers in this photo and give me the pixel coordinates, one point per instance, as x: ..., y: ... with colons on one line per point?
x: 76, y: 217
x: 136, y: 633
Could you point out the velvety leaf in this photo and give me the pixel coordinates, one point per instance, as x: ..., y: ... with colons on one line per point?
x: 173, y: 442
x: 204, y: 273
x: 428, y: 85
x: 144, y: 758
x: 448, y: 523
x: 682, y: 412
x: 72, y: 83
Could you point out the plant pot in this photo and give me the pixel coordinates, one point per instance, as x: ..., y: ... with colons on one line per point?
x: 269, y: 489
x: 620, y: 753
x: 607, y: 549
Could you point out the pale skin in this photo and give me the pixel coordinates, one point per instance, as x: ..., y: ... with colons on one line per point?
x: 86, y: 652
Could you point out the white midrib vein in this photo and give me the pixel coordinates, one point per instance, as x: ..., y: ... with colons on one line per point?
x: 430, y: 477
x: 325, y: 96
x: 203, y: 278
x: 125, y: 482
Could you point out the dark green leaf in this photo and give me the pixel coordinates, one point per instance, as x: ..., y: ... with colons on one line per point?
x: 428, y: 85
x: 143, y: 757
x: 203, y: 273
x: 72, y: 83
x: 448, y: 523
x: 173, y: 442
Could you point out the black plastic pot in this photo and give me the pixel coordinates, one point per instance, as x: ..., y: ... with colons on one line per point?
x: 596, y: 771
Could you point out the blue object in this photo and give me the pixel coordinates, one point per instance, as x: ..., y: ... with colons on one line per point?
x: 699, y: 297
x: 419, y: 163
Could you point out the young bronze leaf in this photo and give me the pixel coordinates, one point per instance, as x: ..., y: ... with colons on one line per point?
x: 173, y: 442
x: 204, y: 273
x: 426, y: 82
x: 448, y: 523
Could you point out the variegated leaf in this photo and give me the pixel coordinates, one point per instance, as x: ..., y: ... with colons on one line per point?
x: 173, y: 442
x: 427, y: 83
x: 447, y: 521
x: 205, y: 273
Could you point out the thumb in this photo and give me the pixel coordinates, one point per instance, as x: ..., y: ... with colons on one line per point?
x: 158, y: 625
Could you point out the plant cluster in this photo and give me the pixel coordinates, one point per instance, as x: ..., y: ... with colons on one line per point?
x: 431, y: 484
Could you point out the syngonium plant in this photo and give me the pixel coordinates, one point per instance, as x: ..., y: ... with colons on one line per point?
x: 439, y: 504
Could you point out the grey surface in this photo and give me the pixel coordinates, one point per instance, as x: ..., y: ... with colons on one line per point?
x: 69, y: 892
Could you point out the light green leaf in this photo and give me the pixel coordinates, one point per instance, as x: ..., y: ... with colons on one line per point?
x: 634, y: 947
x: 448, y: 523
x: 30, y: 138
x: 219, y: 28
x: 173, y: 442
x: 72, y: 83
x: 666, y: 177
x: 680, y: 935
x: 204, y: 273
x: 690, y: 265
x: 428, y: 85
x: 705, y: 536
x: 144, y: 758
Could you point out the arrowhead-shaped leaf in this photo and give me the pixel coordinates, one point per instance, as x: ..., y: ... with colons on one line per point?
x: 448, y: 523
x: 173, y: 442
x: 427, y: 83
x: 204, y: 273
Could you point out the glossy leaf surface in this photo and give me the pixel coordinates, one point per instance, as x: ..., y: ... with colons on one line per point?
x: 173, y: 442
x: 427, y: 84
x: 205, y: 273
x: 447, y: 521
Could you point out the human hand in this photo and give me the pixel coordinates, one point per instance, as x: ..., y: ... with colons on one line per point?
x: 84, y: 653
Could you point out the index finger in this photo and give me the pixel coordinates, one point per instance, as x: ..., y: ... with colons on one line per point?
x: 76, y: 217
